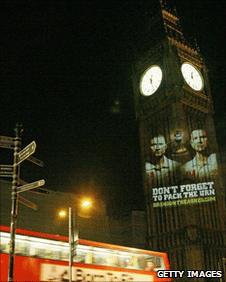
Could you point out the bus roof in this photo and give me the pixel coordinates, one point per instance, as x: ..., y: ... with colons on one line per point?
x: 58, y: 237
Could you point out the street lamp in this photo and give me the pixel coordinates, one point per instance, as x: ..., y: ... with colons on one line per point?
x: 62, y: 213
x: 85, y: 204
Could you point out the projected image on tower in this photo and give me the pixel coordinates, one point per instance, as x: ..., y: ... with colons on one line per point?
x: 180, y: 171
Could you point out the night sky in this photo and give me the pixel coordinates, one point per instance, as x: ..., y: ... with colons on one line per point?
x: 66, y: 75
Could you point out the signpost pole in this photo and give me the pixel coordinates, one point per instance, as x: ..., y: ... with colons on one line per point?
x: 70, y: 231
x: 14, y: 197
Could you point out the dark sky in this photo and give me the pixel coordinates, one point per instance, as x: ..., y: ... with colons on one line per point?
x: 65, y: 65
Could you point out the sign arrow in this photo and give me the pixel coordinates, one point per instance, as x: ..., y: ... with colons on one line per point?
x: 6, y: 170
x: 36, y: 191
x: 30, y: 186
x: 6, y: 174
x: 22, y: 182
x: 36, y: 161
x: 26, y: 152
x: 6, y: 146
x: 27, y: 203
x: 6, y: 142
x: 39, y: 191
x: 7, y: 139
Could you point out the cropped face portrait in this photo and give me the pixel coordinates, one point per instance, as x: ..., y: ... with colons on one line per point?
x: 199, y: 140
x: 158, y: 145
x: 203, y: 166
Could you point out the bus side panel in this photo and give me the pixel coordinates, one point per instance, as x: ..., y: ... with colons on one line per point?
x: 29, y: 269
x: 25, y: 268
x: 3, y: 267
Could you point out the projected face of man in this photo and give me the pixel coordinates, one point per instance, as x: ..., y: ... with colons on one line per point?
x: 158, y: 146
x: 199, y: 140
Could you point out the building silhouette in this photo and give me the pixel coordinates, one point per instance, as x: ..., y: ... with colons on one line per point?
x: 174, y: 111
x: 97, y: 225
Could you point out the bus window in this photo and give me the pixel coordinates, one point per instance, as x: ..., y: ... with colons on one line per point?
x: 63, y: 254
x: 150, y: 266
x: 4, y: 243
x: 112, y: 260
x: 98, y: 259
x: 80, y: 256
x: 123, y: 261
x: 21, y: 248
x: 133, y: 263
x: 89, y: 258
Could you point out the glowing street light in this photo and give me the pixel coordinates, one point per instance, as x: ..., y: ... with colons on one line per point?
x: 85, y: 205
x: 62, y: 213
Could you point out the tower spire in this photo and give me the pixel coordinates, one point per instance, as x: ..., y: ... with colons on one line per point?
x: 171, y: 21
x: 172, y: 26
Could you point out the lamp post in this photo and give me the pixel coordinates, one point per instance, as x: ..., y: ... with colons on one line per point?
x: 70, y: 242
x: 85, y: 204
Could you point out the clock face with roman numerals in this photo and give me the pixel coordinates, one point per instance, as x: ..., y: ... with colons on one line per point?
x: 192, y: 76
x: 150, y: 80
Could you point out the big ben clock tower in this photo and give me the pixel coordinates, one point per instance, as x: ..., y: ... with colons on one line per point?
x: 182, y: 179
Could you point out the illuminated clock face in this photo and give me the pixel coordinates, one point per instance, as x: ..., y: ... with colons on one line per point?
x: 192, y: 76
x: 150, y: 80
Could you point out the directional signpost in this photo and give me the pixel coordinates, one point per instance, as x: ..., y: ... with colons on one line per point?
x: 13, y: 171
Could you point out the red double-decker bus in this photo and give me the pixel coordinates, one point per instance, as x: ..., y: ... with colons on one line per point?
x: 44, y: 257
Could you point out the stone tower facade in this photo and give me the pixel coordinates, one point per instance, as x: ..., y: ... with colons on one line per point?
x: 182, y: 179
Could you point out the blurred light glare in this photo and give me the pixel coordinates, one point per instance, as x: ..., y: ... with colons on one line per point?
x: 86, y: 203
x: 62, y: 213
